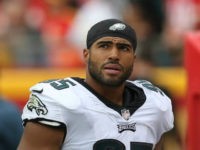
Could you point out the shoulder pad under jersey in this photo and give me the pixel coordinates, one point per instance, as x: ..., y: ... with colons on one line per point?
x: 155, y: 94
x: 62, y: 91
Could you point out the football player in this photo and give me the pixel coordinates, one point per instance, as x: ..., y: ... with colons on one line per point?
x: 104, y: 111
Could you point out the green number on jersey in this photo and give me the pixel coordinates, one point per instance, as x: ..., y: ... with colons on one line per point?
x: 62, y: 84
x: 151, y: 87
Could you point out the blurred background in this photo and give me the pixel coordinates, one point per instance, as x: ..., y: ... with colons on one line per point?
x: 43, y: 39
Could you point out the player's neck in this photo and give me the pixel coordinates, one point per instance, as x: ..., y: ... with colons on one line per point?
x: 114, y: 94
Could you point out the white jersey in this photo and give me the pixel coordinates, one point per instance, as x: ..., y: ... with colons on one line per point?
x: 93, y: 123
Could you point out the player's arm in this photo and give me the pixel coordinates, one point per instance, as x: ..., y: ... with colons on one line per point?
x: 41, y: 137
x: 159, y: 145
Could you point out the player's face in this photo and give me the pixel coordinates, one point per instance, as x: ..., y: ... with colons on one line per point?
x: 110, y: 60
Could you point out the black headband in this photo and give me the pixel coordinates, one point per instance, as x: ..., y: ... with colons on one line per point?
x: 113, y: 28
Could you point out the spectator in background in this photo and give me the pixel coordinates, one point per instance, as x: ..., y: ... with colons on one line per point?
x: 54, y: 19
x: 21, y: 42
x: 148, y: 18
x: 161, y: 26
x: 10, y: 125
x: 89, y: 13
x: 33, y: 33
x: 181, y: 17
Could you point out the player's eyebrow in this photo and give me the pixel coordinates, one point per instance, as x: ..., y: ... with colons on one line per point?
x: 111, y: 42
x: 104, y: 42
x: 125, y: 44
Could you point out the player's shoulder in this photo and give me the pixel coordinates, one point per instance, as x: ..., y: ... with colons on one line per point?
x: 154, y: 94
x: 53, y: 85
x: 149, y: 88
x: 57, y: 91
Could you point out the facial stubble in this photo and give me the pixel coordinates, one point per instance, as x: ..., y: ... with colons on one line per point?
x: 97, y: 74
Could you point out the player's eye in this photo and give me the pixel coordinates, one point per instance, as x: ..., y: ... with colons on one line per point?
x: 123, y: 47
x: 105, y: 45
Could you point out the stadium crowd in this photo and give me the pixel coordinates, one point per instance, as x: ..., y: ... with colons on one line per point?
x: 48, y: 33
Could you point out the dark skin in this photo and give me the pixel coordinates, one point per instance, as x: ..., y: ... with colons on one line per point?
x: 109, y: 57
x: 41, y: 137
x: 109, y: 63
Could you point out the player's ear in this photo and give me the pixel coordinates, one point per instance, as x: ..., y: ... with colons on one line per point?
x: 86, y: 55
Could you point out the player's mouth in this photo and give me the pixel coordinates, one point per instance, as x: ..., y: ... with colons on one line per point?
x: 112, y: 69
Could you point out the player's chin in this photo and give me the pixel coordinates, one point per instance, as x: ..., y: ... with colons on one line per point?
x: 112, y: 77
x: 113, y: 81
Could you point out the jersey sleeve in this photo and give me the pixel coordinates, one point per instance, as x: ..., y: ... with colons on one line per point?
x: 166, y: 114
x: 160, y: 104
x: 42, y: 107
